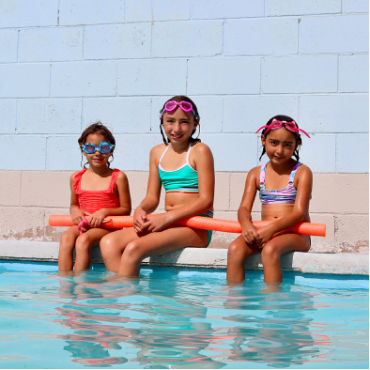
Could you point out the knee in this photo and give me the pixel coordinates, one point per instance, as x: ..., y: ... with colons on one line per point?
x: 83, y: 243
x: 270, y: 253
x: 236, y: 252
x: 133, y: 251
x: 106, y: 245
x: 67, y: 243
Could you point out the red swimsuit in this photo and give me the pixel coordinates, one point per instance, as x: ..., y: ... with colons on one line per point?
x: 93, y: 200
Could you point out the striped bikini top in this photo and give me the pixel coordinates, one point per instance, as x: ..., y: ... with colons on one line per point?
x: 93, y: 200
x: 283, y: 196
x: 182, y: 180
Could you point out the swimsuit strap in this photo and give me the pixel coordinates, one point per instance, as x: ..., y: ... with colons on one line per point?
x: 113, y: 180
x: 187, y: 155
x: 263, y: 174
x: 294, y: 170
x: 77, y: 180
x: 160, y: 159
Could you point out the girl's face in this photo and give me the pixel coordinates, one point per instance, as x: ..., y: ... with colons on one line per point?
x: 178, y: 125
x: 97, y: 159
x: 279, y: 145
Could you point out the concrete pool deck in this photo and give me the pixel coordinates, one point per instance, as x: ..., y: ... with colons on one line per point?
x: 318, y: 263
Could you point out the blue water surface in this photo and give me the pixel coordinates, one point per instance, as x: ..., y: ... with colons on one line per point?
x: 180, y: 318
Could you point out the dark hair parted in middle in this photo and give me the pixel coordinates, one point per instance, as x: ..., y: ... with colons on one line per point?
x: 281, y: 117
x: 179, y: 98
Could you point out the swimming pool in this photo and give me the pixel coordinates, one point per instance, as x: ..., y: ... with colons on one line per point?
x: 180, y: 318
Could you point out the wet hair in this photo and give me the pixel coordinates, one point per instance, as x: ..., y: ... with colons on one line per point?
x: 281, y: 117
x: 179, y: 98
x: 99, y: 129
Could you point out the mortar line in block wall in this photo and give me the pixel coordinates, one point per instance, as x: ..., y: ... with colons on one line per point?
x: 58, y: 20
x: 205, y: 57
x: 332, y: 15
x: 298, y: 33
x: 83, y: 44
x: 50, y: 74
x: 18, y: 44
x: 338, y: 73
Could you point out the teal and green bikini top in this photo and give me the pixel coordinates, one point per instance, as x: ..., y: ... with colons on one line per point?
x: 182, y: 180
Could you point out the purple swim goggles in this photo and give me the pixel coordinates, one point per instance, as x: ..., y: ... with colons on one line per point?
x: 276, y: 124
x: 185, y: 106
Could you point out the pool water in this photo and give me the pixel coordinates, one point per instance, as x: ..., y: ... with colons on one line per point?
x: 180, y: 319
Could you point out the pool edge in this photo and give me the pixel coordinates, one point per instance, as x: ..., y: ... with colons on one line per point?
x: 320, y: 263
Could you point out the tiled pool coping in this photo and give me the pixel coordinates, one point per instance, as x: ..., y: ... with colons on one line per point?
x: 340, y: 264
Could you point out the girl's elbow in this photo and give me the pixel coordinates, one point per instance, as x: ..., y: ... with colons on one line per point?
x: 208, y: 203
x: 300, y: 216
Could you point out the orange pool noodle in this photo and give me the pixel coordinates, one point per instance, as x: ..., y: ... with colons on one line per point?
x: 205, y: 223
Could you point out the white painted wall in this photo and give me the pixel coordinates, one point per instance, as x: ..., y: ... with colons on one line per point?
x: 66, y: 63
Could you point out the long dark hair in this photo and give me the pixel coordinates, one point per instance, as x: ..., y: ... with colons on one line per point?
x: 100, y: 129
x: 179, y: 98
x: 281, y: 117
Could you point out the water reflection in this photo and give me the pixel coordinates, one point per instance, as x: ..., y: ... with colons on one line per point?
x: 162, y: 324
x: 155, y: 326
x: 280, y: 335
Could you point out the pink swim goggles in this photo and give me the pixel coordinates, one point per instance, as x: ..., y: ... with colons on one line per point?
x: 185, y: 106
x: 276, y: 124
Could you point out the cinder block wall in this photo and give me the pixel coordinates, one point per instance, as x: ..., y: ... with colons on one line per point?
x: 66, y: 63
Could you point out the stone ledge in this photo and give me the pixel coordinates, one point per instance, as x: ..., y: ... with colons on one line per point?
x: 317, y: 263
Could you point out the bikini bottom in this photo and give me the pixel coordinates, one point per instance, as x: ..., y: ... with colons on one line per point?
x: 209, y: 214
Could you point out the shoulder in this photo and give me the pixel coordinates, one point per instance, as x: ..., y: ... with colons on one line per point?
x: 303, y: 170
x: 254, y: 174
x: 201, y: 149
x: 158, y: 150
x: 76, y: 175
x: 121, y: 176
x: 255, y: 171
x: 303, y: 176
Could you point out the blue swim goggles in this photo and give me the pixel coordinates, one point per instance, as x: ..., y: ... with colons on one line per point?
x: 104, y: 148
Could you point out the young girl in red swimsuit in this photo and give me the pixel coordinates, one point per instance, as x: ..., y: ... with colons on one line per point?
x: 96, y: 192
x: 286, y: 203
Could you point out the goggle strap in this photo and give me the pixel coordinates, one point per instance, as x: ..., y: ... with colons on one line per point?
x: 261, y: 128
x: 299, y: 129
x: 269, y: 127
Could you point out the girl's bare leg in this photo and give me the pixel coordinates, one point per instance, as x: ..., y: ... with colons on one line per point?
x: 237, y: 254
x: 83, y: 247
x: 66, y: 247
x: 112, y: 246
x: 154, y: 244
x: 275, y: 248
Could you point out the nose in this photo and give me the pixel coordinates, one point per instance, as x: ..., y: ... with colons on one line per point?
x: 177, y: 127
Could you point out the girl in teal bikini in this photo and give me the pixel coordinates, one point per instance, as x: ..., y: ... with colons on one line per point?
x: 184, y: 166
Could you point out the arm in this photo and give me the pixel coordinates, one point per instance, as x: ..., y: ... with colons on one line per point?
x: 96, y: 219
x: 249, y: 232
x: 303, y: 183
x: 206, y: 183
x: 76, y: 212
x: 151, y: 200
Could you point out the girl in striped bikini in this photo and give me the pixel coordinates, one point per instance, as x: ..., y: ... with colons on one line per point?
x: 184, y: 166
x: 286, y: 207
x: 96, y: 192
